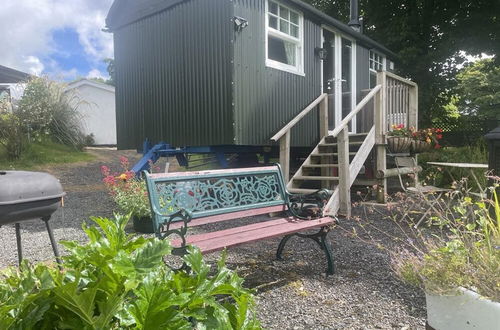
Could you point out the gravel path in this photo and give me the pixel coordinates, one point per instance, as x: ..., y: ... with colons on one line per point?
x: 291, y: 294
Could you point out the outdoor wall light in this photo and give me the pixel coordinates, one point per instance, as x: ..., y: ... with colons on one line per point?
x: 321, y: 52
x: 240, y: 23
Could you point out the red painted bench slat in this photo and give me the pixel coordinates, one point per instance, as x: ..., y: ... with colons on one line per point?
x: 229, y: 216
x: 214, y: 241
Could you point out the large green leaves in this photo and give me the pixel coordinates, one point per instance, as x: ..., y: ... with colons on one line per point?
x: 119, y: 281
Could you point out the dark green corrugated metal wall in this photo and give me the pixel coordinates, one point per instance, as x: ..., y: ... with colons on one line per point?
x: 174, y: 74
x: 265, y: 98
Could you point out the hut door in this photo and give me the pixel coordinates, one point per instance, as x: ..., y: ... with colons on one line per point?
x: 329, y: 78
x: 338, y: 74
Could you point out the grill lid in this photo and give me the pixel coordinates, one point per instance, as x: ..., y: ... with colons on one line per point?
x: 23, y: 186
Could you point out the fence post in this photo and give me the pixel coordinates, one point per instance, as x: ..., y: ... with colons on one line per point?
x: 344, y: 175
x: 285, y: 155
x: 380, y: 102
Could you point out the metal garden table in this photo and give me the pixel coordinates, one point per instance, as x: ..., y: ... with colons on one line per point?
x: 470, y: 166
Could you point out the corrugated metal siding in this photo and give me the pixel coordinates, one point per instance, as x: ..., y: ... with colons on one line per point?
x: 173, y: 76
x: 265, y: 98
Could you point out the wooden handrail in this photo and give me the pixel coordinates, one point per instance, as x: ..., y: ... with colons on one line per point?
x: 343, y: 124
x: 297, y: 118
x: 403, y: 80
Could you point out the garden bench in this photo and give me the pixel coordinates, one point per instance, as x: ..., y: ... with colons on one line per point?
x: 188, y: 199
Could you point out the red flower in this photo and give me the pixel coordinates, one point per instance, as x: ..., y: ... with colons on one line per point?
x: 437, y: 146
x: 191, y: 193
x: 124, y: 162
x: 439, y: 136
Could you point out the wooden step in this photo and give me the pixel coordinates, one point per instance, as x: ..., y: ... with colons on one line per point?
x: 301, y: 190
x: 331, y: 154
x: 316, y: 178
x: 321, y: 165
x: 335, y: 144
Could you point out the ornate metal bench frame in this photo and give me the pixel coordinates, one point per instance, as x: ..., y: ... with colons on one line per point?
x: 185, y: 196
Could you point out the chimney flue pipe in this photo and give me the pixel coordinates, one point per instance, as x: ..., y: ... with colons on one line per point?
x: 354, y: 22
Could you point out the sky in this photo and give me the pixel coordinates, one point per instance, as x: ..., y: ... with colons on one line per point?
x: 62, y: 39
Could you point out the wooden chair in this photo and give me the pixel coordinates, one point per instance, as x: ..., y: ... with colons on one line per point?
x: 408, y: 165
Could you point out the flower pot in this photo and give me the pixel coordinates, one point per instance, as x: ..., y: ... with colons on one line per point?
x: 143, y: 225
x: 463, y: 310
x: 399, y: 144
x: 418, y: 146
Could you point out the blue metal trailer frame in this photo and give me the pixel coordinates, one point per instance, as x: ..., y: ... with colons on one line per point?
x: 151, y: 153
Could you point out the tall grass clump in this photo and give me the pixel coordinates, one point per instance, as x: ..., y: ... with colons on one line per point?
x: 45, y: 110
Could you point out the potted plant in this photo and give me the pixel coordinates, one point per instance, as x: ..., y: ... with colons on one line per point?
x: 399, y: 139
x: 426, y: 139
x: 130, y: 194
x: 458, y: 266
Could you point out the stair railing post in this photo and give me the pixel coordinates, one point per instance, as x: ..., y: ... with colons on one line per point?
x: 344, y: 175
x: 380, y: 103
x: 323, y: 131
x: 285, y: 155
x: 413, y: 107
x: 323, y: 117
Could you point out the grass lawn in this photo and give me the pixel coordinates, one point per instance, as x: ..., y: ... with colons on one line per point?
x: 43, y: 153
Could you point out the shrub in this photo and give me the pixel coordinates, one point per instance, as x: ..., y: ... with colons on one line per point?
x: 119, y: 281
x: 45, y: 110
x: 459, y: 247
x: 11, y: 135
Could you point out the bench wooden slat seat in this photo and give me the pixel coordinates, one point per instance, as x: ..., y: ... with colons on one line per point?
x: 215, y: 241
x: 188, y: 199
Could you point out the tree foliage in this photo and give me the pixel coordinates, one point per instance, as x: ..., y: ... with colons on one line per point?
x: 430, y: 37
x: 478, y: 89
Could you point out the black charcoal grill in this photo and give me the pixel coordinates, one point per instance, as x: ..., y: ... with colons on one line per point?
x: 29, y: 195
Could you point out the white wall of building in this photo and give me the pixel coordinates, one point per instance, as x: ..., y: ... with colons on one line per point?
x: 96, y: 105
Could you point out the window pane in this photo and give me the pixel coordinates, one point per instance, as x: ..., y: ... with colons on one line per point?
x: 294, y: 31
x: 273, y: 7
x: 273, y: 22
x: 294, y: 17
x: 284, y: 13
x: 282, y: 51
x: 284, y: 26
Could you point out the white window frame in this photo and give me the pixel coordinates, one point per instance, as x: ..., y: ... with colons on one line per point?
x: 383, y: 63
x: 298, y: 69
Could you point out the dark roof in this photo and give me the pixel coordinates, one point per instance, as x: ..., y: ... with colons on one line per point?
x: 11, y: 76
x: 124, y: 12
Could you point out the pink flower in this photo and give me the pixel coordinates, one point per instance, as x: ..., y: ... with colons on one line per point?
x: 104, y: 170
x: 124, y: 162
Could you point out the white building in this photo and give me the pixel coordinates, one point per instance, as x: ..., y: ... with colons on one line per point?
x: 95, y: 102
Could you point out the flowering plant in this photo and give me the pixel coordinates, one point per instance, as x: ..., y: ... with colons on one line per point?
x: 401, y: 131
x: 429, y: 135
x: 128, y: 192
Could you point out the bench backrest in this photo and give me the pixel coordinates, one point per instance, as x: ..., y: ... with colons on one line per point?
x: 213, y: 192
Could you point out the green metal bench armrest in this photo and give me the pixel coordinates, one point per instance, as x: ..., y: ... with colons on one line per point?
x: 302, y: 205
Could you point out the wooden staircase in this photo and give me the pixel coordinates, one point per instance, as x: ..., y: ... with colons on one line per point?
x: 336, y: 161
x: 321, y: 167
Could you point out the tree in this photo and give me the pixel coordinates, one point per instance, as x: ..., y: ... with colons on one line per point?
x: 430, y: 37
x: 478, y: 89
x: 111, y: 70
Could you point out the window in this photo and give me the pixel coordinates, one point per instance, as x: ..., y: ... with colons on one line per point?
x: 376, y: 64
x: 284, y: 38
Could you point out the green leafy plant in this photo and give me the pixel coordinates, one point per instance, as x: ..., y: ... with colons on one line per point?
x: 120, y: 281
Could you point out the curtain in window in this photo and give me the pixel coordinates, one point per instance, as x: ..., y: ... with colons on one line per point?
x: 290, y: 49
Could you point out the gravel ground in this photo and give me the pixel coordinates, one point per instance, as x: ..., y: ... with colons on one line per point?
x: 292, y: 294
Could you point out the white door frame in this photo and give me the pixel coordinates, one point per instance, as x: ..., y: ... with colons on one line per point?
x: 338, y: 74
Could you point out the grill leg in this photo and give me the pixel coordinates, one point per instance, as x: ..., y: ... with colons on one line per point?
x: 52, y: 240
x: 19, y: 246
